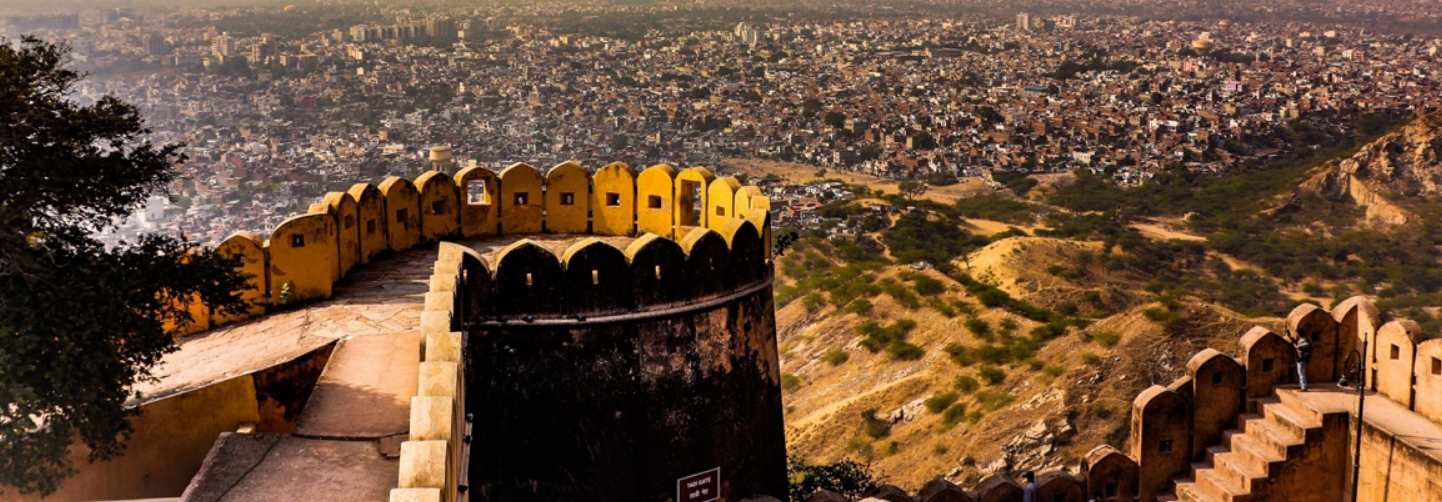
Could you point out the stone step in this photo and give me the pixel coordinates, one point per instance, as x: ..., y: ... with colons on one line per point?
x: 1189, y: 491
x: 1294, y: 422
x: 1220, y: 488
x: 1290, y: 399
x: 1260, y: 457
x: 1275, y: 438
x: 1239, y: 471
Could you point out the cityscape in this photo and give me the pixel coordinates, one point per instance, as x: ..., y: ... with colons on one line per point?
x: 271, y: 121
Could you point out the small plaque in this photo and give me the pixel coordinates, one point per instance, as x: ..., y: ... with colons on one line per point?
x: 703, y: 486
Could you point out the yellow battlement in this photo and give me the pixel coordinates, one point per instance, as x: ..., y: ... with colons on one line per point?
x: 677, y: 219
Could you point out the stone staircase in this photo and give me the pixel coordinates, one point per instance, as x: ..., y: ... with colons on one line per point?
x: 1248, y: 465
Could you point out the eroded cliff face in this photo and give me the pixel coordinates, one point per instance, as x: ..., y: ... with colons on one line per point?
x: 1406, y: 163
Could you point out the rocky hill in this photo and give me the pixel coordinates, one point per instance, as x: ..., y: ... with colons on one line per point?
x: 1403, y: 164
x: 958, y: 409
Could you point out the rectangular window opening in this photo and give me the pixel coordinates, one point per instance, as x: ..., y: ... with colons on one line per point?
x: 522, y: 198
x: 370, y: 227
x: 1058, y: 497
x: 658, y: 271
x: 476, y: 192
x: 1396, y: 352
x: 1216, y: 378
x: 653, y: 201
x: 528, y: 279
x: 1165, y: 446
x: 1267, y: 365
x: 1111, y: 489
x: 297, y: 241
x: 1436, y: 366
x: 349, y: 222
x: 688, y: 201
x: 720, y: 211
x: 568, y: 199
x: 613, y: 199
x: 438, y: 207
x: 595, y: 276
x: 403, y: 216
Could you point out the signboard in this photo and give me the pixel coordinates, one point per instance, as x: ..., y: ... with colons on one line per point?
x: 703, y: 486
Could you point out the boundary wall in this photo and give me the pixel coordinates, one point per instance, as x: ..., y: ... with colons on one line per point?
x: 306, y: 254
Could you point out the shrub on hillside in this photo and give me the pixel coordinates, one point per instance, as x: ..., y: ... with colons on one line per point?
x: 939, y: 402
x: 835, y: 357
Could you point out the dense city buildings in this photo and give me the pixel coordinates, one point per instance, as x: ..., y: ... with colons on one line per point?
x: 272, y: 118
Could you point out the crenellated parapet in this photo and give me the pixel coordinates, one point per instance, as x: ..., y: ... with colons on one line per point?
x: 677, y: 218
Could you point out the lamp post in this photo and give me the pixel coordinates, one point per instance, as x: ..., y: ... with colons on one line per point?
x: 1355, y: 366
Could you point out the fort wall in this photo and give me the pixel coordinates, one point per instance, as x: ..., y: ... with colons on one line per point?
x: 305, y: 255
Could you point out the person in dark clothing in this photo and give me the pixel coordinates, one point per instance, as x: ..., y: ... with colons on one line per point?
x: 1304, y: 354
x: 1029, y: 493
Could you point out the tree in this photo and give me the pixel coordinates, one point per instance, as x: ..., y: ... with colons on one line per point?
x: 911, y: 189
x: 844, y: 477
x: 81, y: 322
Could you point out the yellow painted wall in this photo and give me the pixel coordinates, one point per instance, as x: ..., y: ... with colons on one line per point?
x: 403, y: 213
x: 744, y: 196
x: 250, y: 246
x: 567, y: 182
x: 655, y: 196
x: 302, y: 254
x: 478, y: 214
x: 690, y: 184
x: 172, y: 437
x: 343, y: 206
x: 440, y: 206
x: 720, y: 202
x: 523, y: 218
x: 322, y: 208
x: 613, y: 200
x: 1393, y: 368
x: 371, y: 226
x: 1428, y: 368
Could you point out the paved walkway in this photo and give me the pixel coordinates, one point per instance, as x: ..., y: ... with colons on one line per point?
x: 1385, y: 414
x: 358, y: 409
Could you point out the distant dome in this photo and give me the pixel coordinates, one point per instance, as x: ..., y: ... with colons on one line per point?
x: 290, y: 8
x: 1201, y: 45
x: 1224, y: 22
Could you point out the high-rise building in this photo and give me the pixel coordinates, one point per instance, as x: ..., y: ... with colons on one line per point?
x: 442, y: 28
x: 223, y: 45
x: 155, y: 45
x: 1023, y: 22
x: 747, y: 34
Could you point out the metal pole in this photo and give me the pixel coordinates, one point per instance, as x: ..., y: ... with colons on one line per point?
x: 1361, y: 396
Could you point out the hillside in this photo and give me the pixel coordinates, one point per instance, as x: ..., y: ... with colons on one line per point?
x: 1045, y: 314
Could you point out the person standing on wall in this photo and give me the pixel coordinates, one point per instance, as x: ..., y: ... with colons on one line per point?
x: 1029, y: 494
x: 1304, y: 354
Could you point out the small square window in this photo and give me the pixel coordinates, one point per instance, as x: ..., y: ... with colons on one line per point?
x: 1165, y: 446
x: 653, y: 201
x: 1436, y: 366
x: 438, y: 207
x: 476, y: 192
x: 568, y: 199
x: 370, y: 227
x: 349, y: 222
x: 1111, y: 489
x: 1267, y: 365
x: 1396, y: 352
x: 403, y: 216
x: 297, y: 241
x: 1216, y: 378
x: 613, y: 199
x: 720, y: 211
x: 522, y: 198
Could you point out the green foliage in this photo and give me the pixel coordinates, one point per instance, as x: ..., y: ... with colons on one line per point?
x: 927, y: 286
x: 892, y: 339
x: 875, y: 427
x: 835, y: 357
x: 71, y: 171
x: 898, y: 291
x: 1090, y: 359
x: 994, y: 297
x: 960, y: 354
x: 974, y: 416
x: 966, y: 384
x: 998, y: 208
x: 915, y: 237
x: 846, y: 478
x: 940, y: 305
x: 1053, y: 371
x: 953, y: 414
x: 978, y: 327
x: 994, y: 400
x: 1106, y: 338
x: 790, y: 382
x: 813, y: 302
x: 939, y: 402
x: 991, y: 374
x: 859, y: 306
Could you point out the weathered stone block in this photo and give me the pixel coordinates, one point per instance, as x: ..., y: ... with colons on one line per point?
x: 416, y: 495
x: 439, y: 379
x: 423, y: 464
x: 432, y: 418
x: 443, y: 347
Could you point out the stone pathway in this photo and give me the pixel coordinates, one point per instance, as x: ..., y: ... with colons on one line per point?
x: 1385, y: 414
x: 358, y: 409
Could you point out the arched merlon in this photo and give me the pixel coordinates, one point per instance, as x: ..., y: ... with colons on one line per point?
x: 1317, y: 326
x: 1397, y: 342
x: 367, y: 221
x: 1269, y: 359
x: 1160, y: 439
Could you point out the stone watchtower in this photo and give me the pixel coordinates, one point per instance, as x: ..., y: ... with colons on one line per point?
x: 630, y: 343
